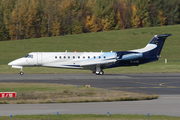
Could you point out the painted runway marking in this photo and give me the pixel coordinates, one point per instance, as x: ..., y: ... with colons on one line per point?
x: 169, y: 82
x: 142, y: 83
x: 117, y: 88
x: 156, y: 86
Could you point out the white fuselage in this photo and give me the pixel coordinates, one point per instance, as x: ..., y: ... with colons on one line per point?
x: 80, y: 60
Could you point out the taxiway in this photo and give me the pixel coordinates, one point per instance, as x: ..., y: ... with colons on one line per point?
x: 166, y: 85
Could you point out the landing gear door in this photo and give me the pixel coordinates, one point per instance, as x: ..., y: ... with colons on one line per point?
x: 39, y: 58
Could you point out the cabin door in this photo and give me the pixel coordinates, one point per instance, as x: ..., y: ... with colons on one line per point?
x: 39, y: 58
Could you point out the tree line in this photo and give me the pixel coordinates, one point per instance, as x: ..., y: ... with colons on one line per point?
x: 24, y: 19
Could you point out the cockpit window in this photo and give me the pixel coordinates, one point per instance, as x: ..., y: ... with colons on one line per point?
x: 29, y: 56
x: 26, y: 56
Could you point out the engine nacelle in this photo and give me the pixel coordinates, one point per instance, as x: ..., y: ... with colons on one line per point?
x: 132, y: 56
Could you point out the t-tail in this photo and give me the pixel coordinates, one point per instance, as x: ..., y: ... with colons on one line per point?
x: 155, y: 46
x: 158, y: 42
x: 151, y: 52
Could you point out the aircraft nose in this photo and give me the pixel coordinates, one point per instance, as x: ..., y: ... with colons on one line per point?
x: 16, y: 62
x: 12, y: 63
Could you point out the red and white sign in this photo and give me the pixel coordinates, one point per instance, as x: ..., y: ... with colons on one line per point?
x: 7, y: 94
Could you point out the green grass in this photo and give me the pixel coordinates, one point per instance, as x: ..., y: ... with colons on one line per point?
x: 119, y: 40
x: 89, y: 117
x: 45, y: 93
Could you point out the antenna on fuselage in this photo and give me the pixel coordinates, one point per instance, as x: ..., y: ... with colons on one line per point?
x: 66, y: 51
x: 101, y: 50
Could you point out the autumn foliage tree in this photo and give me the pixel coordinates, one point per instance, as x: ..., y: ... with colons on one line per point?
x: 122, y: 15
x: 14, y: 24
x: 161, y: 17
x: 24, y: 19
x: 57, y: 27
x: 136, y: 21
x: 91, y: 24
x: 32, y: 20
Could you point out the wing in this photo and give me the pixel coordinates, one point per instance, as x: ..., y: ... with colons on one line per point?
x: 102, y: 64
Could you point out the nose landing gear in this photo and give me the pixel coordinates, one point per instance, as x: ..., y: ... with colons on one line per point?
x: 21, y: 73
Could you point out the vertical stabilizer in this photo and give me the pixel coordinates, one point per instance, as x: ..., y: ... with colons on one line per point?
x: 151, y: 52
x: 157, y: 43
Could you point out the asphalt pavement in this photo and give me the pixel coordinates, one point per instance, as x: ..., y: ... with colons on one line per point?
x: 166, y: 85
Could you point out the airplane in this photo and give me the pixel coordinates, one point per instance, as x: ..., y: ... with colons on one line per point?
x: 94, y: 61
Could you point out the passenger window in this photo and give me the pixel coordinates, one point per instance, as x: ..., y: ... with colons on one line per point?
x: 68, y: 57
x: 55, y: 57
x: 83, y: 57
x: 59, y: 57
x: 89, y: 57
x: 94, y: 57
x: 73, y: 57
x: 99, y: 57
x: 104, y: 56
x: 64, y: 57
x: 79, y: 57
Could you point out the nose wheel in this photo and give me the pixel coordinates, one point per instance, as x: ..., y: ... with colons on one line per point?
x: 21, y: 73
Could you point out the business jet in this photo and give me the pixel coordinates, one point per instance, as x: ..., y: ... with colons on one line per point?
x: 94, y: 61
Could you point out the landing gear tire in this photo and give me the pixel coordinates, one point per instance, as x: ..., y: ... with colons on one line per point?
x: 21, y: 73
x: 97, y: 74
x: 100, y: 73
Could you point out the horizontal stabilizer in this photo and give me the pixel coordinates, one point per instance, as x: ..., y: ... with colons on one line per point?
x: 163, y: 36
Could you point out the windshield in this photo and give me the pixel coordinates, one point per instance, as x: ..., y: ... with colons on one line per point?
x: 28, y: 56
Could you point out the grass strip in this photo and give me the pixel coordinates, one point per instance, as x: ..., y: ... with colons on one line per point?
x: 45, y: 93
x: 89, y: 117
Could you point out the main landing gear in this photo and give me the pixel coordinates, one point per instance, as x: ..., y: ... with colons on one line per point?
x: 98, y: 71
